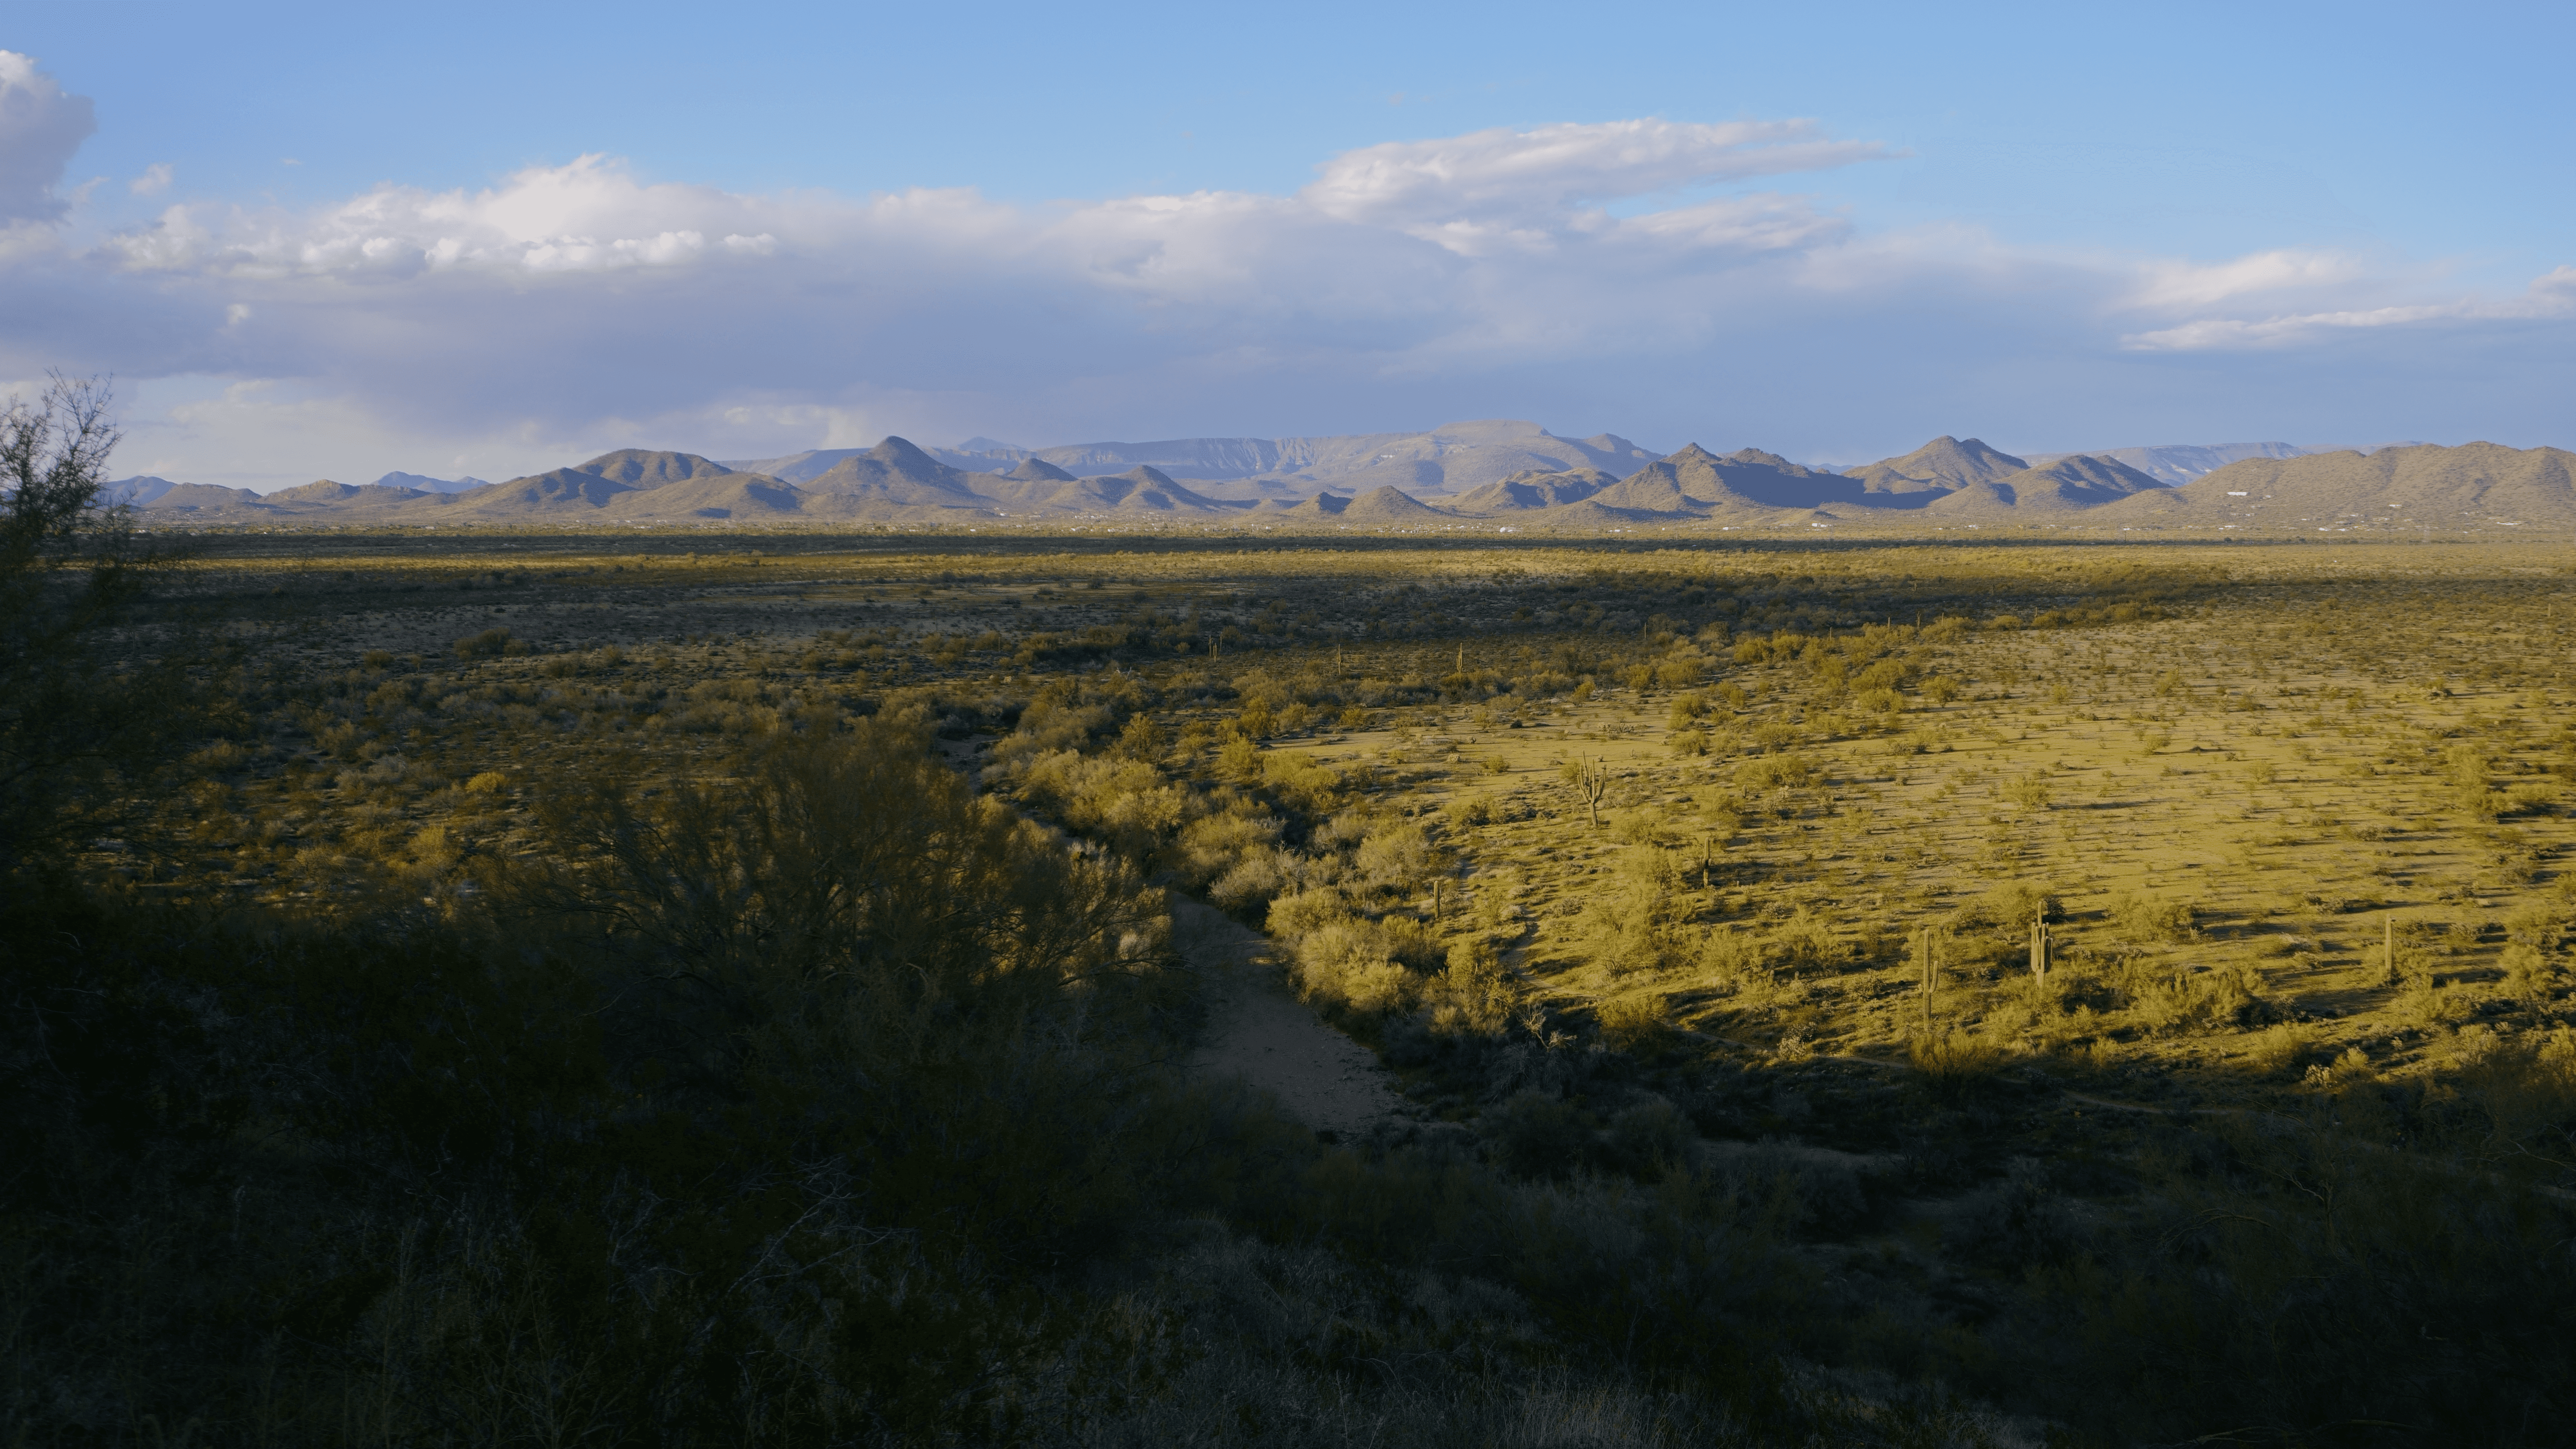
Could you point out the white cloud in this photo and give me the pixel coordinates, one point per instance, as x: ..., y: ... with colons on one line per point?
x: 568, y: 309
x: 1530, y: 179
x: 2547, y: 297
x: 40, y: 128
x: 154, y: 180
x: 2189, y: 284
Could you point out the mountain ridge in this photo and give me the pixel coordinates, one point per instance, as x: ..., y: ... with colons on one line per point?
x: 1947, y: 481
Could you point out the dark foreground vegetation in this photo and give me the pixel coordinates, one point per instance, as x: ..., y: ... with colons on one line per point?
x: 738, y: 1071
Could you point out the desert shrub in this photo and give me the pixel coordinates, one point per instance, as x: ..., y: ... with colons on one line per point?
x: 1731, y: 957
x: 1651, y: 1138
x: 1634, y: 923
x: 2146, y: 917
x: 1952, y: 1060
x: 1800, y: 1188
x: 1766, y: 773
x: 1212, y: 846
x: 866, y: 1052
x: 1257, y: 875
x: 2030, y: 791
x: 1679, y: 671
x: 1471, y: 997
x: 1295, y: 915
x: 1297, y: 779
x: 1126, y: 804
x: 2528, y: 975
x: 1395, y: 856
x: 1538, y: 1134
x: 2524, y: 1086
x: 2005, y: 908
x: 489, y: 644
x: 2019, y: 1223
x: 1050, y: 724
x: 1639, y: 1023
x: 1806, y: 942
x: 1466, y: 811
x: 488, y: 782
x: 2283, y: 1049
x: 2350, y: 1070
x: 1350, y: 962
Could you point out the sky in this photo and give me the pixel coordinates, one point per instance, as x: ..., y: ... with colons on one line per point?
x: 331, y: 241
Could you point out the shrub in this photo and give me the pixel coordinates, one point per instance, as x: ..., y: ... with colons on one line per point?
x: 1730, y: 956
x: 1680, y: 671
x: 1651, y: 1138
x: 1395, y: 856
x: 1537, y: 1134
x: 1951, y: 1060
x: 490, y: 643
x: 2145, y: 917
x: 2019, y: 1224
x: 2006, y: 908
x: 1806, y: 942
x: 1639, y: 1023
x: 2282, y: 1051
x: 1471, y: 997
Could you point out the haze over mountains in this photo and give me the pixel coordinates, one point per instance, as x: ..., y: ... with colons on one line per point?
x: 1506, y: 475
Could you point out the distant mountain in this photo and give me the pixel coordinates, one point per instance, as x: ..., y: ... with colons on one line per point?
x: 1391, y: 505
x: 1138, y: 490
x: 1534, y: 489
x: 1454, y: 457
x: 896, y: 482
x: 422, y: 484
x: 206, y: 502
x: 2175, y: 464
x: 325, y: 491
x: 2081, y: 481
x: 138, y: 490
x: 1939, y: 466
x: 2424, y: 487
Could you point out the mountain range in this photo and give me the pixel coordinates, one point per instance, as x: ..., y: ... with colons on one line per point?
x: 1452, y: 458
x: 1517, y: 477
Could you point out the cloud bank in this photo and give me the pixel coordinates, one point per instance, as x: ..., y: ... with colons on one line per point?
x: 40, y: 128
x: 576, y: 307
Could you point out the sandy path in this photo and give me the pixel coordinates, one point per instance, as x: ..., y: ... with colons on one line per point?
x: 1260, y: 1033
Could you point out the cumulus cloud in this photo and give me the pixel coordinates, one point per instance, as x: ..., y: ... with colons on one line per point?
x: 154, y: 180
x: 40, y: 128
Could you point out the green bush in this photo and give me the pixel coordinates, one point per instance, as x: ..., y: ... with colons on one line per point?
x: 1537, y: 1134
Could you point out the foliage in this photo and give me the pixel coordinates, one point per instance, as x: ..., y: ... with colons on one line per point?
x: 78, y: 707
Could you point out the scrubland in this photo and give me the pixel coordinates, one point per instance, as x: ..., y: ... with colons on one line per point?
x: 703, y: 989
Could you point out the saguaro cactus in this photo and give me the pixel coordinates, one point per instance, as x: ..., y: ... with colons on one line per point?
x: 1591, y: 780
x: 2039, y: 945
x: 1927, y: 957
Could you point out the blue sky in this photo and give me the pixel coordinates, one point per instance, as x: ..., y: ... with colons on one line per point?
x: 327, y: 241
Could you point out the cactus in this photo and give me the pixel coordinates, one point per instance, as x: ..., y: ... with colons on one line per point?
x: 1591, y: 781
x: 2039, y: 945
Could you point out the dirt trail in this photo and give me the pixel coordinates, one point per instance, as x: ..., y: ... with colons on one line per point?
x: 1260, y: 1033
